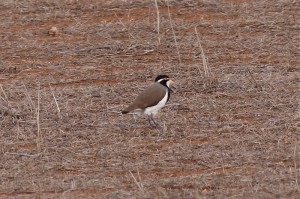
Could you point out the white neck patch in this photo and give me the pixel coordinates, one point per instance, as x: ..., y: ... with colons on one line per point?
x: 168, y: 82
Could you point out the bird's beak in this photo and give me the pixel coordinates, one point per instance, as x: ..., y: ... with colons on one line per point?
x: 171, y: 83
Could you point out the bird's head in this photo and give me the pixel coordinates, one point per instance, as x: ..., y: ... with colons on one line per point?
x: 164, y: 80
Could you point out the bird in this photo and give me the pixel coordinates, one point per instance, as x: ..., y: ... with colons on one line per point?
x: 152, y: 99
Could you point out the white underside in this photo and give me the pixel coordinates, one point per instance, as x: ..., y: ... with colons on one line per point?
x: 154, y: 109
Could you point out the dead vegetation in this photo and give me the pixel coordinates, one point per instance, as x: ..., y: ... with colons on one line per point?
x: 231, y: 129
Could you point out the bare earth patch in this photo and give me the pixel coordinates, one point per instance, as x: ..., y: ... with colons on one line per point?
x: 233, y: 134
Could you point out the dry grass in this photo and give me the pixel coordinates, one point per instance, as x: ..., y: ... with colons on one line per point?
x: 62, y: 134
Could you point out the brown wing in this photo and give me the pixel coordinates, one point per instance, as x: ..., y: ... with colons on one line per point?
x: 149, y: 97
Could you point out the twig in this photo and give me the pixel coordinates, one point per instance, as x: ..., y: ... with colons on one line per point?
x: 254, y: 81
x: 179, y: 58
x: 136, y: 182
x: 140, y: 178
x: 23, y: 154
x: 207, y: 71
x: 58, y: 109
x: 158, y: 20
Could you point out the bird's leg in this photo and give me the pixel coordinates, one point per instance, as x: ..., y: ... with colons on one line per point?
x: 154, y: 122
x: 149, y: 119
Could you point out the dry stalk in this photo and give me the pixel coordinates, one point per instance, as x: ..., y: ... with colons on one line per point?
x: 28, y: 97
x: 124, y: 26
x: 139, y: 184
x: 164, y: 127
x: 6, y: 106
x: 176, y: 44
x: 254, y: 81
x: 207, y: 71
x: 58, y: 109
x: 23, y: 154
x: 72, y: 187
x: 39, y: 137
x: 18, y: 131
x: 296, y: 165
x: 138, y: 172
x: 3, y: 93
x: 158, y: 21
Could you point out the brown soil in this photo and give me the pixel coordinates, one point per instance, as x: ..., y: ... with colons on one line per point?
x: 234, y: 133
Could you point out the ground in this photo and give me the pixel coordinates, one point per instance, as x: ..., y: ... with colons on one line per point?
x: 230, y: 129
